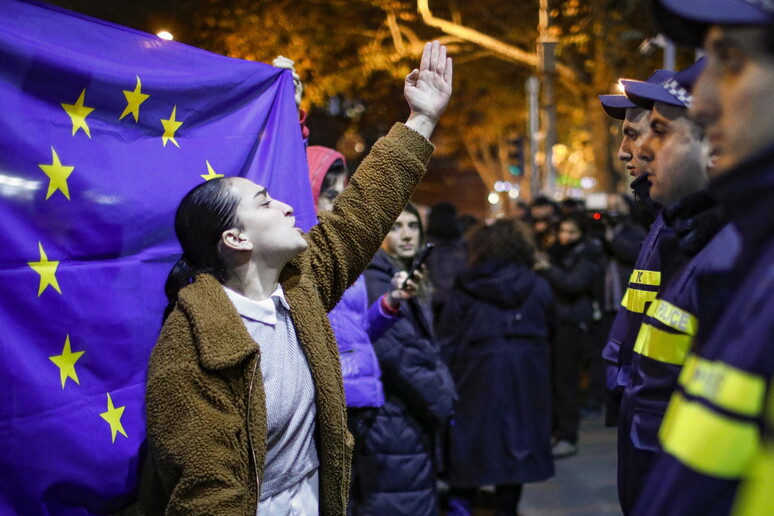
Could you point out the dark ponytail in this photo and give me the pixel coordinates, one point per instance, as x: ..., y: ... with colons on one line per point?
x: 201, y: 218
x: 181, y: 275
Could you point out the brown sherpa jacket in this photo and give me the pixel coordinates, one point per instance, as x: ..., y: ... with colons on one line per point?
x: 206, y: 406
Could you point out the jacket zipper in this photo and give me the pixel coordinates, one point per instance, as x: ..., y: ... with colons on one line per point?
x: 249, y: 436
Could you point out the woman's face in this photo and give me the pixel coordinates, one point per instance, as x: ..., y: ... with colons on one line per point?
x: 403, y: 239
x: 569, y: 232
x: 268, y: 226
x: 333, y: 184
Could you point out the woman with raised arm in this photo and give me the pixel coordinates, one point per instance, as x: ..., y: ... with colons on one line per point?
x: 245, y: 406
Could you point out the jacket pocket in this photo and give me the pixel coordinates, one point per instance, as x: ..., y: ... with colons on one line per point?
x: 644, y: 431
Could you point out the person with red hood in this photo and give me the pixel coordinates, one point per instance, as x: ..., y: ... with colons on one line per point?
x: 355, y: 324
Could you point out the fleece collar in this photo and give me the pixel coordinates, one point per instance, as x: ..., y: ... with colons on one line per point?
x: 219, y: 333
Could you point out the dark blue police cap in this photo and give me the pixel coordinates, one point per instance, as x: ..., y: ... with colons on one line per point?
x: 686, y: 21
x: 616, y: 105
x: 675, y: 90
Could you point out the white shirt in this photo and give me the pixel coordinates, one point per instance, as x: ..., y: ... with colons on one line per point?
x: 291, y: 454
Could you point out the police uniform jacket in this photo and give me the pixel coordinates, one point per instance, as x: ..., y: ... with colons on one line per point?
x: 665, y: 337
x: 642, y: 289
x: 711, y: 433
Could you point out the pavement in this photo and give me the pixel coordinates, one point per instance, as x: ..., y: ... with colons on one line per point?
x: 584, y: 484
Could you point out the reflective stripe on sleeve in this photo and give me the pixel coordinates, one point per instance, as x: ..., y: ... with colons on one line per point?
x: 706, y: 441
x: 663, y: 346
x: 725, y: 386
x: 756, y: 496
x: 643, y: 277
x: 635, y: 300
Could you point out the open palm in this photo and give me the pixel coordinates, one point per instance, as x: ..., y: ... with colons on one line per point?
x: 428, y: 89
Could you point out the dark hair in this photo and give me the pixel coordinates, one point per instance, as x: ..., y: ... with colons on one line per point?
x: 337, y: 167
x: 467, y: 222
x: 570, y: 205
x: 201, y: 218
x: 542, y: 201
x: 579, y: 219
x: 442, y: 221
x: 505, y: 239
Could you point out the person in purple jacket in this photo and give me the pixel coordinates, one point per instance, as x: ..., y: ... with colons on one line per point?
x: 355, y: 322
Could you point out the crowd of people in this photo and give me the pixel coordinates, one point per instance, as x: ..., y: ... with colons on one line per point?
x: 312, y: 374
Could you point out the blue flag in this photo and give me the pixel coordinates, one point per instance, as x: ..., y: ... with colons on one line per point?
x: 103, y: 129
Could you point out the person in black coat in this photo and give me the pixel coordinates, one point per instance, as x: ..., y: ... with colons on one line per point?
x: 450, y: 255
x: 396, y: 470
x: 573, y: 269
x: 494, y: 334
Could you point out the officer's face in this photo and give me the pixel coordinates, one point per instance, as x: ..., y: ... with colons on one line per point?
x: 634, y: 129
x: 677, y: 154
x: 733, y: 96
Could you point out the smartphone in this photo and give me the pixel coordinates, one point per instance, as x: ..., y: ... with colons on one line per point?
x: 418, y: 261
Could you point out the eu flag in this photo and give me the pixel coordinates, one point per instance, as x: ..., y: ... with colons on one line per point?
x: 102, y: 131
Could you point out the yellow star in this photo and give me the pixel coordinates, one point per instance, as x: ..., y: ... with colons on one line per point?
x: 78, y: 113
x: 113, y: 417
x: 170, y: 126
x: 211, y: 173
x: 47, y: 271
x: 57, y: 175
x: 133, y: 101
x: 66, y: 363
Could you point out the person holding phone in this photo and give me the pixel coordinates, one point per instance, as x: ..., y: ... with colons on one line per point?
x: 396, y: 470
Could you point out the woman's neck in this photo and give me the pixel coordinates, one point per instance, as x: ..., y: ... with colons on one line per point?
x: 253, y: 281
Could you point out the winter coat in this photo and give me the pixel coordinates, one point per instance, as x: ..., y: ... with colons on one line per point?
x: 665, y: 338
x: 447, y: 260
x: 395, y: 467
x: 642, y: 289
x: 206, y: 406
x: 494, y: 335
x: 355, y: 326
x: 717, y: 419
x: 574, y: 276
x: 621, y: 254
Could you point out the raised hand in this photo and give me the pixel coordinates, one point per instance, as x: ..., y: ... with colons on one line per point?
x: 288, y: 64
x: 428, y: 89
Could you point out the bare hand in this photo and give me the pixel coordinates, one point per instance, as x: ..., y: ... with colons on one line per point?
x: 428, y: 89
x: 398, y: 292
x: 542, y: 262
x: 288, y: 64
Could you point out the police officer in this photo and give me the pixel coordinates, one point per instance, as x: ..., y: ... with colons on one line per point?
x: 646, y: 276
x: 717, y: 420
x: 677, y: 152
x: 635, y: 127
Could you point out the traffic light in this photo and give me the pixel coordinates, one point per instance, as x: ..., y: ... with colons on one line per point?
x: 516, y: 155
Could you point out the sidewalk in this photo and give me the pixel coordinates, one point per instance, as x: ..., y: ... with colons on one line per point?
x: 584, y: 484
